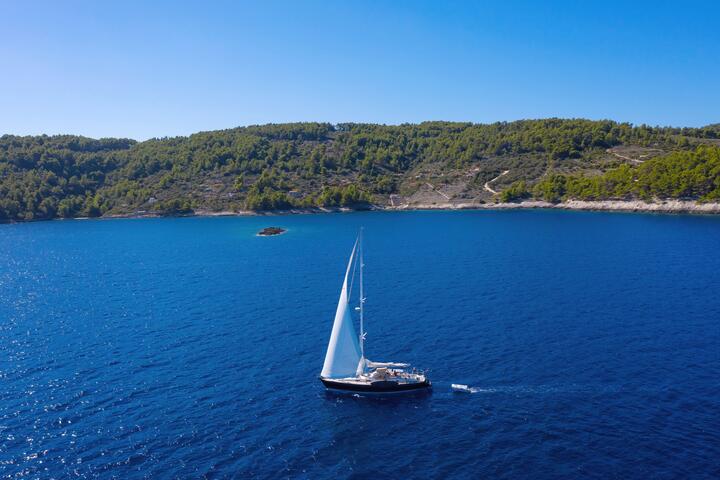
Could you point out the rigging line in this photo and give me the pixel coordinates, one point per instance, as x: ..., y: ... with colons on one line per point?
x: 352, y: 277
x: 362, y: 296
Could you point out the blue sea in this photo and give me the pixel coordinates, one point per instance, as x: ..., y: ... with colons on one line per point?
x: 191, y: 348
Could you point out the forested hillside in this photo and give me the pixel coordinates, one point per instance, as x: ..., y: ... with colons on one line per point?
x: 682, y: 175
x: 286, y: 166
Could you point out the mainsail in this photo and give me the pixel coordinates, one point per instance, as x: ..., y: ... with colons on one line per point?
x: 343, y: 352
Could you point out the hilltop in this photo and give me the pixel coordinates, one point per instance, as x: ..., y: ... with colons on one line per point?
x: 306, y: 165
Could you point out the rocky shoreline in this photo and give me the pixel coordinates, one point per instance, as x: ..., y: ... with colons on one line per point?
x: 639, y: 206
x: 660, y: 206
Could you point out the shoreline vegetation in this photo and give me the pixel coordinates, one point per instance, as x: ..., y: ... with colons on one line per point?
x: 319, y: 167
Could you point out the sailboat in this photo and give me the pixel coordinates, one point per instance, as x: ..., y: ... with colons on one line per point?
x: 346, y: 368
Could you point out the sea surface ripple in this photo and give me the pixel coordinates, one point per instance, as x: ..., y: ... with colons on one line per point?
x: 190, y: 347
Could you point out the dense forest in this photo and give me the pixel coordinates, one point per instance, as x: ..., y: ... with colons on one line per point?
x: 680, y: 175
x: 305, y: 165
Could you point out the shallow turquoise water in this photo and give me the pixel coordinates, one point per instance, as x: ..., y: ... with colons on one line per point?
x: 189, y: 347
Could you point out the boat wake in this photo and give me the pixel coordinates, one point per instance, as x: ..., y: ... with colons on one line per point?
x: 460, y: 388
x: 537, y: 389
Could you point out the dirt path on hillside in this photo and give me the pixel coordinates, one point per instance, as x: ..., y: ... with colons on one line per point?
x: 636, y: 161
x: 487, y: 184
x: 437, y: 191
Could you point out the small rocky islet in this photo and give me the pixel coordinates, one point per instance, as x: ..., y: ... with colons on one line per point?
x: 270, y: 231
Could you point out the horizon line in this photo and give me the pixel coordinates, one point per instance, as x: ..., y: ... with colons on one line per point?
x: 336, y: 124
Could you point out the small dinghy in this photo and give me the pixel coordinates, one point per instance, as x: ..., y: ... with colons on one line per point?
x: 346, y: 368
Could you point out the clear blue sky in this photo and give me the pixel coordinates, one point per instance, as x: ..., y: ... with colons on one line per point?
x: 172, y: 68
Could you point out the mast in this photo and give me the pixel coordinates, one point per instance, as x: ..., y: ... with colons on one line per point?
x: 361, y: 367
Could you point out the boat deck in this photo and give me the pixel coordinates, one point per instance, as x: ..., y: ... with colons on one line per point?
x: 383, y: 382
